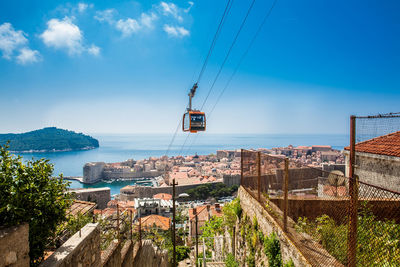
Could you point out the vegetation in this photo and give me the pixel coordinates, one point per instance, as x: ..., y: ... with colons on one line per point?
x: 216, y: 190
x: 212, y: 228
x: 230, y: 261
x: 48, y: 139
x: 377, y: 241
x: 71, y: 226
x: 30, y: 194
x: 272, y: 249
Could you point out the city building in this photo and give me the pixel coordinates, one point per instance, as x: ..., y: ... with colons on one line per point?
x: 377, y: 161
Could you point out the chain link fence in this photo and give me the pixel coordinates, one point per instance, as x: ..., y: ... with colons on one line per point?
x: 332, y: 219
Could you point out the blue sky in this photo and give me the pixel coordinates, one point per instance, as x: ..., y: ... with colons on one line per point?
x: 126, y: 66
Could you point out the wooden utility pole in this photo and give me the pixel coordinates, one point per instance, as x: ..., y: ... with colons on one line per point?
x: 173, y: 223
x: 196, y: 239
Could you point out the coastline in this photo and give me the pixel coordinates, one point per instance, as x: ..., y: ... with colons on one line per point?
x: 52, y: 150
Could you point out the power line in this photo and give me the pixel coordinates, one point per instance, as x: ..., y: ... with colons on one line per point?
x: 267, y: 15
x: 244, y: 55
x: 216, y: 35
x: 229, y: 52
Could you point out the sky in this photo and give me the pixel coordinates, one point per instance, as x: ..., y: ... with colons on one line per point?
x: 127, y: 66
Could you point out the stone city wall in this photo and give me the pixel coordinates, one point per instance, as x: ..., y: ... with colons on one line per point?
x: 147, y: 191
x: 111, y: 257
x: 150, y: 256
x: 82, y: 249
x: 101, y: 196
x: 14, y: 246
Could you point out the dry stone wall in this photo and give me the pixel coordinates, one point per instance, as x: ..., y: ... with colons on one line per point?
x: 14, y: 246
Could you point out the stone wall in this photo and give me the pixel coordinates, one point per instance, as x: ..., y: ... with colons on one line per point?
x: 128, y: 175
x: 111, y: 257
x: 380, y: 170
x: 230, y: 180
x: 127, y: 254
x: 150, y: 256
x: 147, y: 191
x: 301, y: 249
x: 14, y: 246
x: 99, y: 195
x: 93, y: 172
x: 82, y: 249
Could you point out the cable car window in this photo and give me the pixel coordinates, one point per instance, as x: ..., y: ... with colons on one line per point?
x: 197, y: 118
x: 186, y: 122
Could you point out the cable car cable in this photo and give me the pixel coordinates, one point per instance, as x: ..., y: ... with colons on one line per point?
x: 216, y: 35
x: 229, y: 52
x: 267, y: 15
x: 244, y: 55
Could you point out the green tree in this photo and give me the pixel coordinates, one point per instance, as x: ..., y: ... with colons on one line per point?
x: 28, y: 193
x: 212, y: 228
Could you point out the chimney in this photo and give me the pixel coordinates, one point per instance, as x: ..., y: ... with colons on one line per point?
x: 209, y: 212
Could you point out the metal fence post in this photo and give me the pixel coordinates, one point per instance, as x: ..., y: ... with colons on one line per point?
x: 118, y: 229
x: 140, y: 230
x: 233, y: 242
x: 131, y: 224
x: 353, y: 204
x: 259, y: 175
x: 285, y: 194
x: 241, y: 167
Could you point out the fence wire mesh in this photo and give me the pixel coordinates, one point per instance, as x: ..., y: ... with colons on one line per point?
x: 332, y: 219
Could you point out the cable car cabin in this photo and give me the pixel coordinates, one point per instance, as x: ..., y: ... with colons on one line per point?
x: 194, y: 121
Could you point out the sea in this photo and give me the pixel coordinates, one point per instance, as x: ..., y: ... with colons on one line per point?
x: 121, y: 147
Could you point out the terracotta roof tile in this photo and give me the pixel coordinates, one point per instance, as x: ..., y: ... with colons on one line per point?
x: 160, y: 221
x: 388, y: 145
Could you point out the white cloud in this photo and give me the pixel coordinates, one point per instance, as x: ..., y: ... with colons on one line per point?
x: 94, y: 50
x: 147, y: 20
x: 190, y: 7
x: 28, y: 56
x: 127, y: 26
x: 65, y: 35
x: 106, y: 15
x: 10, y: 40
x: 175, y: 31
x: 83, y: 6
x: 171, y: 9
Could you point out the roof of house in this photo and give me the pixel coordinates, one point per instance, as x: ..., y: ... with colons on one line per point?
x: 202, y: 213
x: 82, y: 207
x: 164, y: 196
x: 160, y: 221
x: 388, y: 145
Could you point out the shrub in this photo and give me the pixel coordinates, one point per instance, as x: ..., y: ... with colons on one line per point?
x: 272, y: 249
x: 30, y: 194
x: 230, y: 261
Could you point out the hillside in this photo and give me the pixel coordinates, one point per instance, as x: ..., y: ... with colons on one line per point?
x: 49, y: 139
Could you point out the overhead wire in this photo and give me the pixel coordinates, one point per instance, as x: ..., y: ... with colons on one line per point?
x: 243, y: 56
x: 267, y: 15
x: 229, y: 52
x: 216, y: 35
x: 214, y: 41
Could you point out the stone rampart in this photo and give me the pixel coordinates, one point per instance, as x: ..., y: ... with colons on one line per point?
x: 150, y: 256
x: 14, y: 246
x: 146, y: 191
x: 100, y: 195
x: 82, y: 249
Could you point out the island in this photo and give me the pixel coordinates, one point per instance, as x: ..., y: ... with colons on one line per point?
x: 50, y: 139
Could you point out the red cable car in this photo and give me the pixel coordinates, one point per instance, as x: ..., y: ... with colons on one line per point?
x: 193, y: 120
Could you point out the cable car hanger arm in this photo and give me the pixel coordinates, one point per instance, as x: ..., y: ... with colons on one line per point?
x: 191, y: 95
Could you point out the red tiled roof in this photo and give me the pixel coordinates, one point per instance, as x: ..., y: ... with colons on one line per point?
x: 82, y: 207
x: 164, y: 196
x: 388, y: 145
x: 160, y: 221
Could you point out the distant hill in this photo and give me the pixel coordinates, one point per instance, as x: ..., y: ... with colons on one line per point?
x: 49, y: 139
